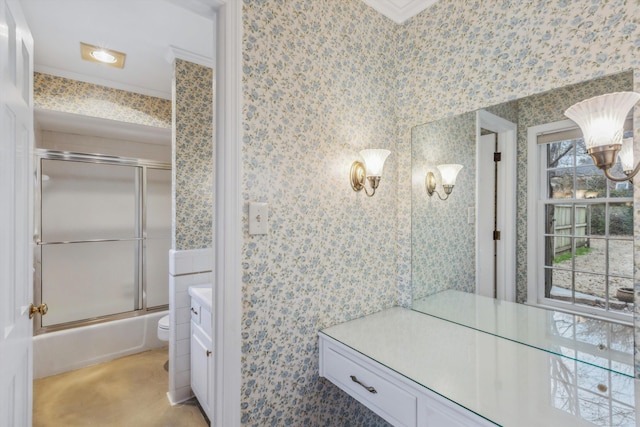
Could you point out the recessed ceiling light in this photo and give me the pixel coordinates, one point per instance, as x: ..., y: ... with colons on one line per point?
x: 101, y: 55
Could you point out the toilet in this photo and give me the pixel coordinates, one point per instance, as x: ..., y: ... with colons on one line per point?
x: 163, y: 328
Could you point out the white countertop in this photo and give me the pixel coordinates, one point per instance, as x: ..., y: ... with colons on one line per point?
x: 510, y: 384
x: 203, y: 294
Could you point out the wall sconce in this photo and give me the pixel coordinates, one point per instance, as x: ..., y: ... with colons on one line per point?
x: 601, y: 120
x: 371, y: 169
x: 626, y: 156
x: 448, y: 174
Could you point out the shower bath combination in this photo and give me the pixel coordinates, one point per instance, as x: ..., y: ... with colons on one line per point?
x: 103, y: 234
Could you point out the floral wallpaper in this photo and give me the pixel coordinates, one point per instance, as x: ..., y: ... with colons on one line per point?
x: 192, y: 156
x: 72, y: 96
x: 318, y: 88
x: 325, y: 79
x: 443, y: 242
x: 457, y: 134
x: 458, y: 56
x: 461, y: 55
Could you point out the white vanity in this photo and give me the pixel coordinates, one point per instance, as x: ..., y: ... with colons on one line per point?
x: 202, y: 347
x: 415, y: 369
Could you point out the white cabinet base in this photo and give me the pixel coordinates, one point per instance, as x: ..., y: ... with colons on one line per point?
x: 393, y: 397
x: 202, y: 357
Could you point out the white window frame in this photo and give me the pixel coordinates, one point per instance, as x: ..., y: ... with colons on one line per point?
x: 536, y: 187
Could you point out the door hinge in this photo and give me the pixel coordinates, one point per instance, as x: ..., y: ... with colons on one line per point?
x: 497, y: 157
x: 496, y: 235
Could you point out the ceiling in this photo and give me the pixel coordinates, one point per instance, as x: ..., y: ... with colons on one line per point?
x: 400, y: 10
x: 143, y: 29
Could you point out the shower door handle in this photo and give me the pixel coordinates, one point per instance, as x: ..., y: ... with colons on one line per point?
x: 42, y: 309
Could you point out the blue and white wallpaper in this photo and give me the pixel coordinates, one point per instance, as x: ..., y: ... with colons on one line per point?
x: 317, y: 89
x: 459, y: 56
x: 192, y: 156
x: 323, y: 80
x: 72, y: 96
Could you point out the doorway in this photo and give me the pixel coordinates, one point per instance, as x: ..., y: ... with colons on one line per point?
x: 496, y: 150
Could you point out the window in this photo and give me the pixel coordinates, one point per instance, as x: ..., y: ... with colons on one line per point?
x: 583, y: 228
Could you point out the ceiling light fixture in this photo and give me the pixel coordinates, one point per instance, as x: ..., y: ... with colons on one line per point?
x: 102, y: 55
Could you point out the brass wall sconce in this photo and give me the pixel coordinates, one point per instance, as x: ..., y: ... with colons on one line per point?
x: 601, y: 120
x: 448, y: 173
x: 371, y: 169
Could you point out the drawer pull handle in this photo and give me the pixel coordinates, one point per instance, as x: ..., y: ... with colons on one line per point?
x: 208, y: 353
x: 194, y: 312
x: 368, y: 388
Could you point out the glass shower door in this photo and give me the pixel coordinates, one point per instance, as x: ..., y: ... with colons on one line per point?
x: 90, y: 240
x: 158, y: 236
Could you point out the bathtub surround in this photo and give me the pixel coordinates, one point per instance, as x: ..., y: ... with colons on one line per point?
x: 186, y: 268
x: 310, y: 69
x: 62, y: 351
x: 126, y: 145
x: 61, y: 99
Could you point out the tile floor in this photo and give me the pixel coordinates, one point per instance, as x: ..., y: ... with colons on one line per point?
x: 126, y: 392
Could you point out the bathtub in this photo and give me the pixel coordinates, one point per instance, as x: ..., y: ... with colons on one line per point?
x: 57, y: 352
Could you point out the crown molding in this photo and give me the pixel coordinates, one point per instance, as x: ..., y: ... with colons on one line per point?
x: 400, y: 10
x: 186, y: 55
x: 206, y: 8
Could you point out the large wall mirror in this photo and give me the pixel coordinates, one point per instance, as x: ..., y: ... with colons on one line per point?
x: 540, y: 225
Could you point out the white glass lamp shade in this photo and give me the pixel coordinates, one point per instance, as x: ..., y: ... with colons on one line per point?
x: 626, y: 154
x: 601, y: 118
x: 374, y: 160
x: 449, y: 173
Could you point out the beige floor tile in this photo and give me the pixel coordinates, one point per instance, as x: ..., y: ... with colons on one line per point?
x: 130, y: 391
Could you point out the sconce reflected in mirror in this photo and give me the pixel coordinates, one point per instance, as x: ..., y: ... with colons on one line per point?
x: 371, y: 169
x: 601, y: 120
x: 626, y: 156
x: 449, y: 173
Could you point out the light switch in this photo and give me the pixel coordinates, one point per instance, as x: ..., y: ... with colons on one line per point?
x: 471, y: 215
x: 258, y: 218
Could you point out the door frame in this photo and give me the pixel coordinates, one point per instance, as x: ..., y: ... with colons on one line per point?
x: 227, y: 235
x: 506, y: 209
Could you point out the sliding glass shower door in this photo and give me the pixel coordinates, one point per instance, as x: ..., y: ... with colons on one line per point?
x: 103, y: 237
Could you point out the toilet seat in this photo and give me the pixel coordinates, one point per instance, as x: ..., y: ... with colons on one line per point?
x: 163, y: 328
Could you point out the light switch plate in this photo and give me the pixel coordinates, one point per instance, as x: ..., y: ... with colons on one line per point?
x: 471, y: 215
x: 258, y: 218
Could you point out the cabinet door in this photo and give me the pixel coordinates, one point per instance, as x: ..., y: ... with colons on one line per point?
x: 199, y: 366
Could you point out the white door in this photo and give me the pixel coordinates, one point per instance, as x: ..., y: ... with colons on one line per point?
x: 16, y: 215
x: 485, y: 221
x: 489, y: 209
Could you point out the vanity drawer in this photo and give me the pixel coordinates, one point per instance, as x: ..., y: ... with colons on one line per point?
x: 344, y: 368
